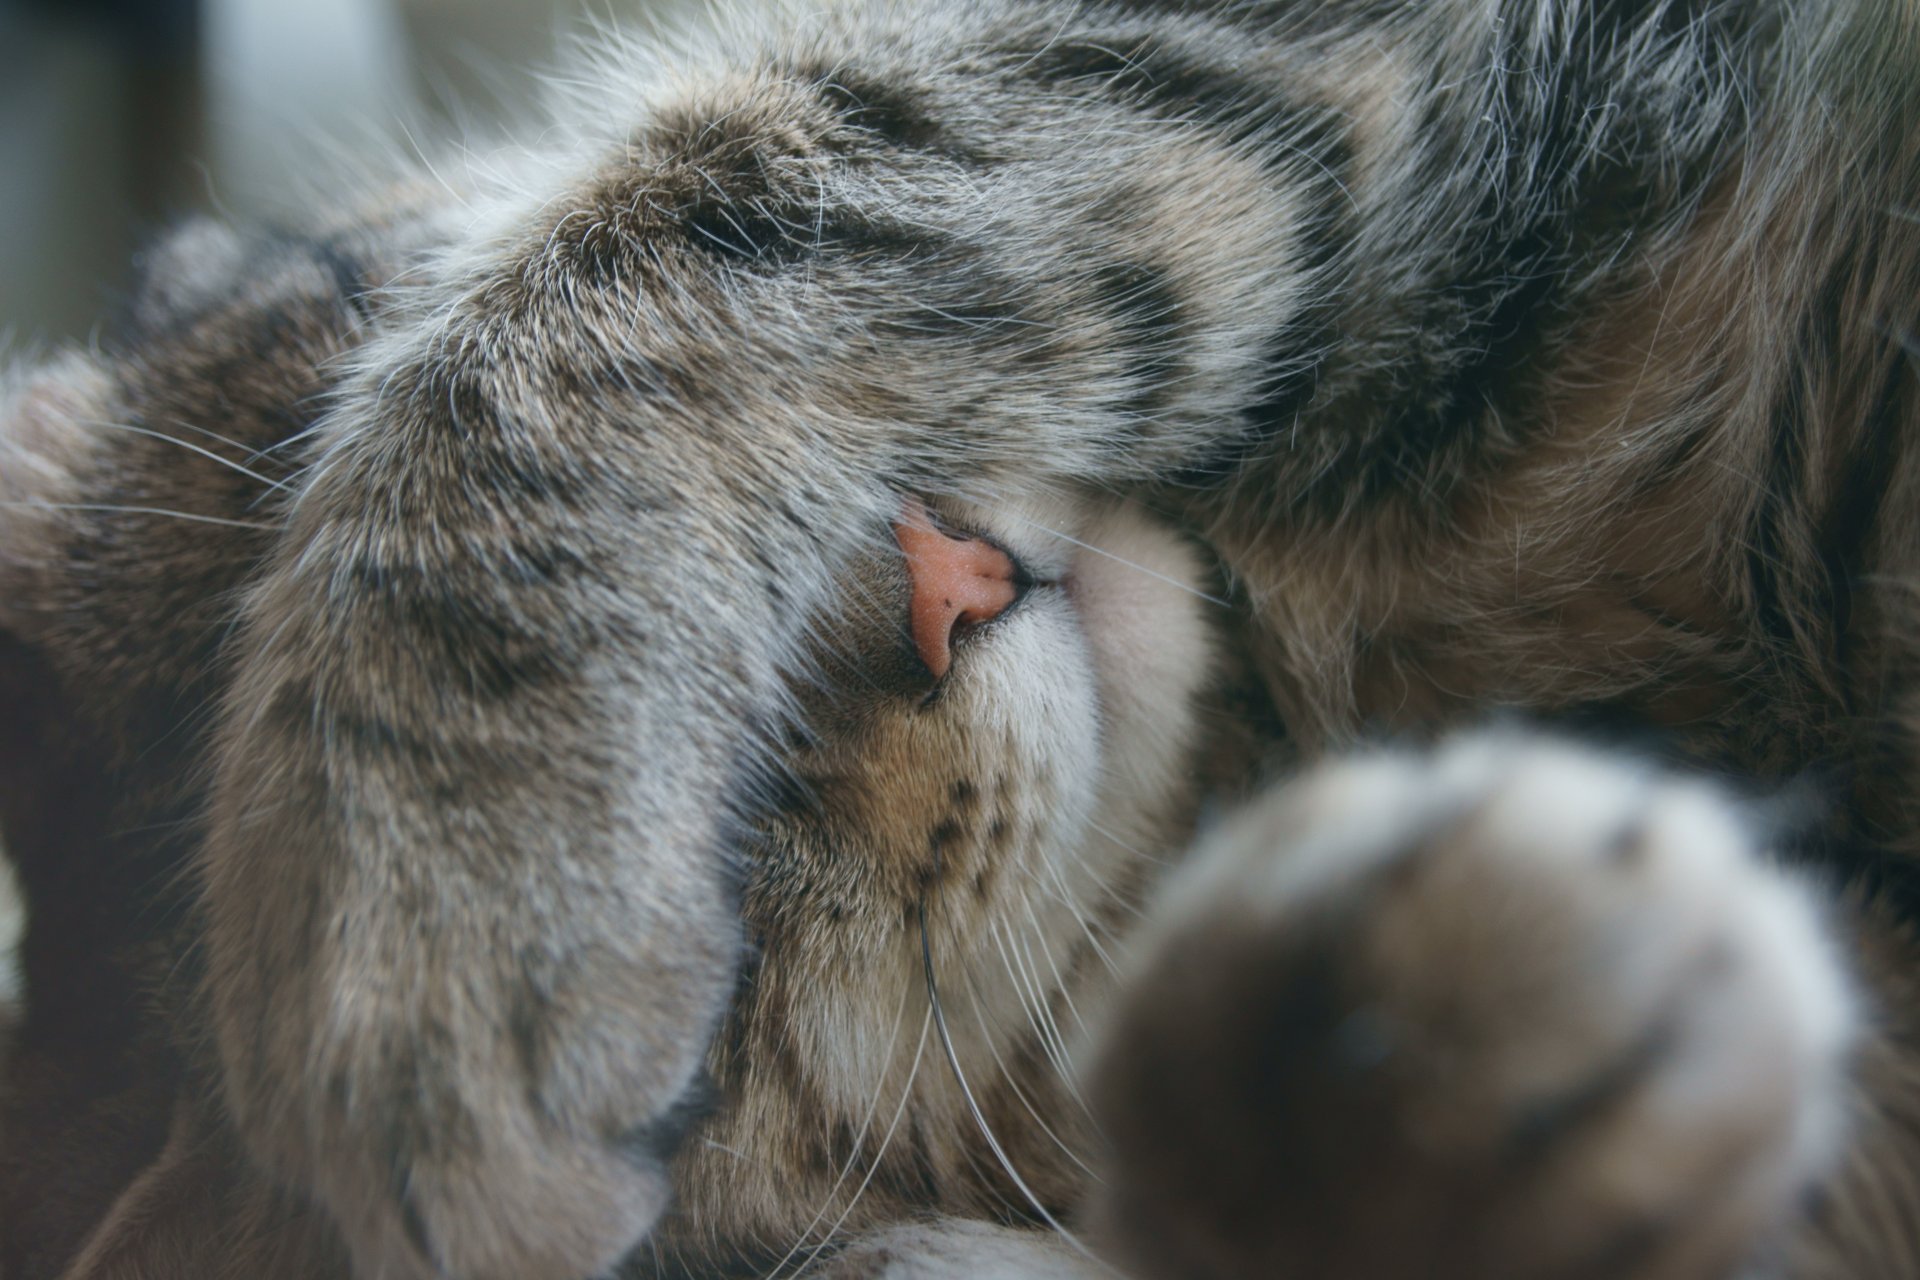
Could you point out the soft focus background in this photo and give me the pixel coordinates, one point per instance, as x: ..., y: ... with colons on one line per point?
x: 118, y: 116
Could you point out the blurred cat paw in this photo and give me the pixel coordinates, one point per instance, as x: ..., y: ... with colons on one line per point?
x: 1506, y: 1009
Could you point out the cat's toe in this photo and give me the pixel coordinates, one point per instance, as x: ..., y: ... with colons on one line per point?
x: 1510, y: 1009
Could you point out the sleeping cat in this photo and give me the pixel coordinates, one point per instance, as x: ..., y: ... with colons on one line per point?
x: 642, y: 709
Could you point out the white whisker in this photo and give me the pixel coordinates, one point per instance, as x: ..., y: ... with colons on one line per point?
x: 188, y: 445
x: 1155, y: 574
x: 873, y: 1167
x: 1060, y: 983
x: 1109, y: 834
x: 1059, y: 892
x: 142, y: 511
x: 973, y: 1104
x: 1007, y: 1076
x: 1032, y: 1000
x: 859, y: 1138
x: 1047, y: 1027
x: 213, y: 435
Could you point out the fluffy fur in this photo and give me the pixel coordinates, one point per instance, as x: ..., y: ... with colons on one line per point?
x: 483, y: 817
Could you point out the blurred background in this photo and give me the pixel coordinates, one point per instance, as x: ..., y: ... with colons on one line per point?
x: 119, y: 116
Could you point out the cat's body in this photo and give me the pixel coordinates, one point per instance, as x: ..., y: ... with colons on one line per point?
x: 490, y: 596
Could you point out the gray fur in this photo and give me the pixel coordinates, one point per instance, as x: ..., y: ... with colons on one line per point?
x: 485, y: 660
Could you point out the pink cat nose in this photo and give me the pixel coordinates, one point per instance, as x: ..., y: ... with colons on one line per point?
x: 958, y: 581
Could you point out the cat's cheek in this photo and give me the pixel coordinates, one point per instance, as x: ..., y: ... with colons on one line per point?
x: 1138, y: 595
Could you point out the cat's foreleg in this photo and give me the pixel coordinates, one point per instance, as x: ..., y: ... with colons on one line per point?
x: 1507, y: 1009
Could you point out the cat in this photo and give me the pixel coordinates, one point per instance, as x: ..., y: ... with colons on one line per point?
x: 510, y: 781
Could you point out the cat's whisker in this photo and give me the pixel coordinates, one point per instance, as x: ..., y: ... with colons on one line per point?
x: 210, y: 434
x: 1109, y: 834
x: 1155, y: 574
x: 1026, y: 990
x: 1060, y: 983
x: 268, y: 451
x: 426, y: 162
x: 1064, y: 896
x: 997, y: 502
x: 1010, y: 1079
x: 973, y: 1103
x: 1121, y: 901
x: 1059, y: 1053
x: 873, y: 1166
x: 123, y: 509
x: 292, y: 480
x: 859, y: 1138
x: 1020, y: 965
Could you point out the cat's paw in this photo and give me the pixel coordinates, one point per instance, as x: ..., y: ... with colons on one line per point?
x: 1509, y: 1009
x: 466, y: 1117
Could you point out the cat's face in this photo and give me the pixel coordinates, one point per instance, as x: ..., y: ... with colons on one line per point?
x: 985, y: 832
x: 990, y: 812
x: 993, y: 823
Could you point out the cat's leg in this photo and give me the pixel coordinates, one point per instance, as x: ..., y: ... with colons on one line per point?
x: 1510, y: 1009
x: 960, y: 1249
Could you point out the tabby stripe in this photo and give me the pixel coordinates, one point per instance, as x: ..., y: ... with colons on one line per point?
x: 497, y: 464
x: 1567, y: 189
x: 1139, y: 298
x: 778, y: 234
x: 1295, y: 353
x: 892, y: 111
x: 958, y: 291
x: 714, y: 186
x: 1309, y: 143
x: 1141, y: 73
x: 1569, y: 177
x: 1298, y: 18
x: 1781, y: 523
x: 298, y: 714
x: 485, y: 642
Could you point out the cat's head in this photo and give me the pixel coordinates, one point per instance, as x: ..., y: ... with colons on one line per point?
x: 957, y: 796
